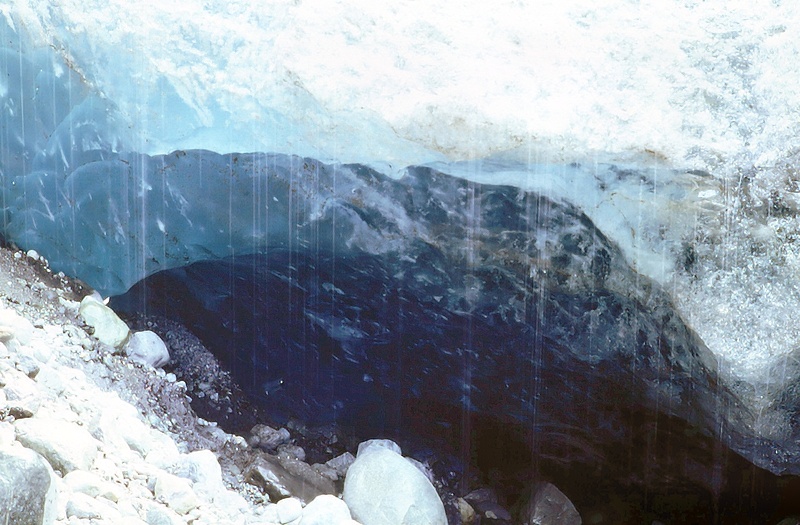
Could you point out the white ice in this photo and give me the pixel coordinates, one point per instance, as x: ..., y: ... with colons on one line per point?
x: 410, y: 81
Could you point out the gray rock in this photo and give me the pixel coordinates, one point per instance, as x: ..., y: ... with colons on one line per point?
x: 341, y: 463
x: 267, y: 438
x: 493, y: 511
x: 23, y: 398
x: 383, y: 488
x: 6, y: 334
x: 484, y: 502
x: 292, y: 451
x: 549, y: 506
x: 27, y: 491
x: 27, y: 365
x: 65, y: 445
x: 282, y: 478
x: 481, y: 494
x: 147, y: 348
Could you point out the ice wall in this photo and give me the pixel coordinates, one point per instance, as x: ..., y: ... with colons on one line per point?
x: 695, y: 103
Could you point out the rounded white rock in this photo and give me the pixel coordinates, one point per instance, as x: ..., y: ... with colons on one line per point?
x: 176, y: 492
x: 108, y: 327
x: 383, y: 488
x: 326, y: 510
x: 147, y: 348
x: 289, y: 509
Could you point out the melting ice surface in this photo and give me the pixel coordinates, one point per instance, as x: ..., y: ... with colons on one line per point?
x: 671, y: 125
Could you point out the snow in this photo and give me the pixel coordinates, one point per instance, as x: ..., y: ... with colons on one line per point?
x: 660, y: 87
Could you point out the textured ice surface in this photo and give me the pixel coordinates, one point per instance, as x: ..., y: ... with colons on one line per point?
x: 708, y: 87
x: 699, y: 81
x: 430, y: 299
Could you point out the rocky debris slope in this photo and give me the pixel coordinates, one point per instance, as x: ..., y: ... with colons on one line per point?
x: 89, y: 434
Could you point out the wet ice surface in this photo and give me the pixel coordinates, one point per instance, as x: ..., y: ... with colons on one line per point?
x: 487, y: 309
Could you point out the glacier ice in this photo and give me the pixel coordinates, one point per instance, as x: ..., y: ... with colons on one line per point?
x: 104, y: 119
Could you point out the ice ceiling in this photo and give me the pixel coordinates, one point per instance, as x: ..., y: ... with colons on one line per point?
x: 692, y: 83
x: 699, y: 99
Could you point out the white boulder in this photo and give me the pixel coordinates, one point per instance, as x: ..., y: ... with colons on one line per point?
x: 383, y: 488
x: 326, y: 510
x: 289, y: 510
x: 15, y: 327
x: 65, y: 445
x: 382, y: 443
x: 176, y: 493
x: 108, y: 327
x: 202, y: 468
x: 85, y: 507
x: 92, y: 485
x: 147, y: 348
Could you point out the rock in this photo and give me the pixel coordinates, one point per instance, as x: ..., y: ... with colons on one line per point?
x: 23, y: 397
x: 108, y: 327
x: 15, y: 327
x: 287, y: 477
x: 424, y: 468
x: 292, y: 451
x: 27, y: 490
x: 549, y: 506
x: 494, y: 512
x: 92, y: 485
x: 341, y: 463
x: 326, y: 510
x: 382, y: 488
x: 7, y: 435
x: 383, y: 443
x: 289, y: 509
x: 27, y: 365
x: 6, y: 335
x: 202, y: 469
x: 86, y: 507
x: 155, y: 514
x: 325, y: 471
x: 481, y: 494
x: 484, y: 502
x: 65, y: 445
x: 267, y: 438
x: 465, y: 511
x: 176, y: 493
x: 50, y: 380
x: 130, y: 520
x: 157, y: 448
x: 147, y: 348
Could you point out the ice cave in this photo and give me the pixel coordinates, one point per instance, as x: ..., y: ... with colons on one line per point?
x: 543, y: 241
